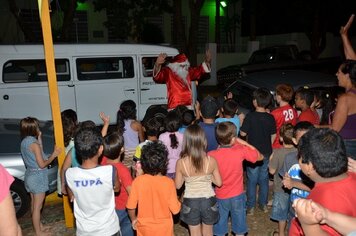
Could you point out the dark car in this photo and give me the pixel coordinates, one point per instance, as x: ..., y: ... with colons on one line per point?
x: 243, y: 88
x: 11, y: 159
x: 279, y: 57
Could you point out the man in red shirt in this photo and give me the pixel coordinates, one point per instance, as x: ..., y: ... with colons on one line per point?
x: 323, y: 159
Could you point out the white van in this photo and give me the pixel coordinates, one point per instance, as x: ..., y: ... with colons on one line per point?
x: 91, y: 78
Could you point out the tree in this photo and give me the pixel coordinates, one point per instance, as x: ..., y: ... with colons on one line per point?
x: 63, y: 10
x: 231, y: 22
x: 189, y: 42
x: 128, y: 18
x: 24, y: 26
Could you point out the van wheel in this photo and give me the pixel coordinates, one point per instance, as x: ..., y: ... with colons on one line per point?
x: 20, y: 197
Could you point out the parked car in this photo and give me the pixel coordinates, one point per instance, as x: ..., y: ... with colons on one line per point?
x: 243, y: 88
x: 11, y: 159
x: 279, y: 57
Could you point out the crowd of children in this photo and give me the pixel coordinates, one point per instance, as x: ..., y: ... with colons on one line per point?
x: 126, y: 180
x: 118, y: 192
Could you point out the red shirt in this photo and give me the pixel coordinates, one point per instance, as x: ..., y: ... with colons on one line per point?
x: 125, y: 179
x: 309, y: 115
x: 230, y: 161
x: 338, y: 196
x: 283, y: 115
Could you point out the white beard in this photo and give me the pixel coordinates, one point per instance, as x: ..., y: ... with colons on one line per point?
x: 181, y: 72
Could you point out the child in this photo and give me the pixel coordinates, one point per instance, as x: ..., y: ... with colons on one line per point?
x: 69, y: 124
x: 280, y: 203
x: 131, y: 130
x: 113, y: 149
x: 198, y: 171
x: 36, y: 162
x: 71, y: 160
x: 229, y: 111
x: 209, y: 110
x: 173, y: 141
x: 285, y: 113
x: 230, y: 196
x: 303, y: 100
x: 322, y: 157
x: 260, y: 129
x: 293, y: 178
x: 91, y: 187
x: 152, y: 129
x: 188, y: 118
x: 153, y: 194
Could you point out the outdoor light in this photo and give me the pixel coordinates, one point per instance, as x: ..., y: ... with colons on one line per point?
x: 223, y: 3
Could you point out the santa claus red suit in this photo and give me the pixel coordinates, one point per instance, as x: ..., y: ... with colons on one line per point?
x: 177, y: 75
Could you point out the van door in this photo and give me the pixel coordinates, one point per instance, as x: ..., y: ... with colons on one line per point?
x: 151, y: 93
x: 102, y: 84
x: 24, y: 89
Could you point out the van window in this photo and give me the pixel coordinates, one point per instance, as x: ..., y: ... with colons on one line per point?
x: 105, y: 68
x: 147, y: 66
x: 20, y: 71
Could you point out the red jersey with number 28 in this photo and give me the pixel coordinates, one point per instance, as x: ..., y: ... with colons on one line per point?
x: 283, y: 115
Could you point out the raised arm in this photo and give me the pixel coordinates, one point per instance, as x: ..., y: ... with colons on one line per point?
x: 348, y: 50
x: 157, y: 68
x: 106, y: 123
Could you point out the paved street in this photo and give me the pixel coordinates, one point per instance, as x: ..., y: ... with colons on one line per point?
x: 259, y: 224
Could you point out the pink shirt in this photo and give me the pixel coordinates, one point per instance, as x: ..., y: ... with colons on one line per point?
x: 5, y: 181
x: 173, y: 153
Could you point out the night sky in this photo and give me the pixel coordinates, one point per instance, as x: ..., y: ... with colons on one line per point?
x: 287, y: 16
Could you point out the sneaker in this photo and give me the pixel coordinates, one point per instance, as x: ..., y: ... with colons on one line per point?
x: 263, y: 208
x: 250, y: 211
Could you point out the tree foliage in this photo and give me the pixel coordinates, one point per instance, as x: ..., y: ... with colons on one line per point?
x: 128, y: 18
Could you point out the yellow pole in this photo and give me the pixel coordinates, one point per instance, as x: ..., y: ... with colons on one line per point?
x: 53, y: 94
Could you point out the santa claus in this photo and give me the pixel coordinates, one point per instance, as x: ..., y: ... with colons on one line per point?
x: 177, y: 75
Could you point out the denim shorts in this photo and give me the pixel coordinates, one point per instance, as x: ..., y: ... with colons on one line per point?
x: 199, y: 210
x: 280, y: 206
x: 236, y: 207
x: 36, y: 181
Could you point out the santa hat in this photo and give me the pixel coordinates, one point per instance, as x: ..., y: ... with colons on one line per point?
x: 180, y: 58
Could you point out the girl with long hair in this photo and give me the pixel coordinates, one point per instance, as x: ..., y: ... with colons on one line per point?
x: 198, y: 171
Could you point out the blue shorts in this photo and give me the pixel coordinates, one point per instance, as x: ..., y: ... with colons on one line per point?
x: 236, y: 206
x: 36, y: 181
x: 199, y: 210
x: 280, y: 206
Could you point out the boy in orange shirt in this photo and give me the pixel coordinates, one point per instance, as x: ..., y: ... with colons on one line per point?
x: 154, y: 194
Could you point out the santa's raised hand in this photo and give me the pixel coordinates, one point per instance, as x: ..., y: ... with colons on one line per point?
x: 161, y: 58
